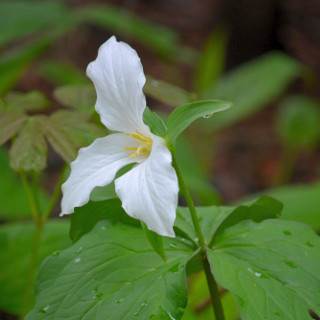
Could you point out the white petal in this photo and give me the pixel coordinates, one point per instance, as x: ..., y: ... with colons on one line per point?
x: 149, y: 191
x: 118, y: 77
x: 95, y: 166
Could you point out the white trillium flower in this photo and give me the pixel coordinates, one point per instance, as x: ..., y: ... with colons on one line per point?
x: 149, y: 191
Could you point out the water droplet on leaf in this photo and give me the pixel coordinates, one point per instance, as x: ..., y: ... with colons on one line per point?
x: 79, y: 250
x: 118, y: 301
x: 77, y: 260
x: 207, y: 116
x: 309, y: 244
x: 56, y: 253
x: 45, y: 309
x: 290, y: 264
x: 143, y: 305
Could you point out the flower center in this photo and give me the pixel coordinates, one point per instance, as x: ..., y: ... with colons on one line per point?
x: 145, y: 144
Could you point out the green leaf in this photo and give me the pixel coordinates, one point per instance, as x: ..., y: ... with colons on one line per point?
x: 77, y: 125
x: 14, y: 63
x: 297, y: 123
x: 14, y: 202
x: 86, y: 217
x: 301, y: 203
x: 154, y: 122
x: 161, y: 39
x: 272, y: 268
x: 82, y: 97
x: 214, y: 219
x: 212, y: 60
x: 113, y: 272
x: 21, y: 18
x: 10, y: 124
x: 183, y: 116
x: 16, y: 241
x: 30, y: 101
x: 57, y: 137
x: 252, y: 86
x: 155, y: 240
x: 167, y: 92
x: 29, y: 150
x: 61, y: 73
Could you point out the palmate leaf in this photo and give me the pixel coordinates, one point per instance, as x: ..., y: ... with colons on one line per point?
x: 30, y: 101
x: 10, y: 124
x: 29, y: 150
x: 113, y: 273
x: 272, y: 269
x: 57, y: 137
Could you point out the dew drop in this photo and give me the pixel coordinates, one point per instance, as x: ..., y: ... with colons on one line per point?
x: 56, y: 253
x: 143, y: 305
x: 287, y: 233
x: 77, y: 260
x: 207, y: 116
x: 290, y: 264
x: 257, y: 274
x: 309, y: 244
x: 45, y: 309
x: 97, y: 295
x: 103, y: 228
x: 118, y: 301
x: 79, y: 250
x: 172, y: 245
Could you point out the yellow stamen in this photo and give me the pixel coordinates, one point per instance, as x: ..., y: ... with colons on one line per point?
x: 130, y: 148
x: 145, y: 144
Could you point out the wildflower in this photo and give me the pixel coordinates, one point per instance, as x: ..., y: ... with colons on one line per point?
x: 149, y: 191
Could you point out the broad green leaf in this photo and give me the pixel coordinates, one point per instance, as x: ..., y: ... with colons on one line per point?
x: 16, y: 241
x: 301, y: 203
x: 252, y: 86
x: 272, y: 269
x: 183, y: 116
x: 30, y: 101
x: 298, y: 123
x: 167, y: 92
x: 86, y: 217
x: 21, y: 18
x: 259, y: 210
x: 158, y: 38
x: 77, y: 125
x: 10, y: 124
x: 14, y: 202
x: 14, y: 62
x: 214, y: 219
x: 155, y: 240
x: 29, y: 150
x: 82, y: 97
x: 57, y: 137
x: 113, y: 273
x: 211, y: 61
x: 154, y: 122
x: 60, y: 73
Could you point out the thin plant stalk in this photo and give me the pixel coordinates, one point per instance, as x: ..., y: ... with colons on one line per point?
x: 212, y: 285
x: 40, y: 221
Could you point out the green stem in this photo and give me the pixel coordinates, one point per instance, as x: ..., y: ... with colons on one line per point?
x: 55, y: 195
x: 214, y: 292
x: 32, y: 202
x: 213, y: 287
x: 187, y: 196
